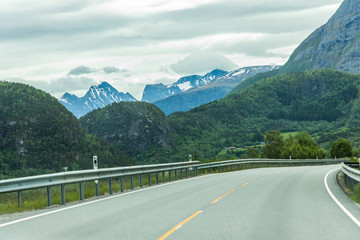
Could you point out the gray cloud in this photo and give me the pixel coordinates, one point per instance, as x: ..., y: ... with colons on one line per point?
x: 80, y: 70
x: 202, y: 62
x: 110, y: 70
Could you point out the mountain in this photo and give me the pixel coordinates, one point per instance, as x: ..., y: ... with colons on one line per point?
x: 216, y: 89
x: 334, y: 45
x: 156, y: 92
x: 133, y: 127
x: 323, y: 102
x: 96, y: 97
x: 39, y: 135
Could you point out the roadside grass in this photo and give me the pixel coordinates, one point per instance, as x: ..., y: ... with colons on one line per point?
x: 353, y: 194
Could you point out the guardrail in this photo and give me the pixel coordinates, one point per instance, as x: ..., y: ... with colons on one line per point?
x: 172, y: 169
x: 261, y: 162
x: 351, y: 176
x: 63, y: 178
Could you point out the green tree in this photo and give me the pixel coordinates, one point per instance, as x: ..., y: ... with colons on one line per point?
x: 252, y: 152
x: 274, y: 144
x: 341, y: 148
x: 302, y: 146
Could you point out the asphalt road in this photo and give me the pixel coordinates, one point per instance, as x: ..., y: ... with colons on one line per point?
x: 271, y: 203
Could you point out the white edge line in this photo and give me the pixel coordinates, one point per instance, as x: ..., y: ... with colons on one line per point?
x: 98, y: 200
x: 354, y: 219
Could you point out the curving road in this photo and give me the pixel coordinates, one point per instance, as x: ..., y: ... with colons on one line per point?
x: 271, y: 203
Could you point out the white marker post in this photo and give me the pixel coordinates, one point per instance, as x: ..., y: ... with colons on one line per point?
x: 95, y: 164
x: 190, y: 160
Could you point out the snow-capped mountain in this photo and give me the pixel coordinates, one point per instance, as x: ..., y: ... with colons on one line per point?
x: 216, y: 89
x: 156, y: 92
x: 96, y: 97
x: 235, y: 77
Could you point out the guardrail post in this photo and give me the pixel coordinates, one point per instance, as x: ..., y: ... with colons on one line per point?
x: 141, y: 180
x: 132, y: 181
x: 81, y: 191
x: 163, y: 176
x: 19, y: 198
x: 186, y: 173
x: 191, y: 172
x: 209, y: 169
x: 62, y: 190
x: 110, y: 186
x: 48, y: 196
x: 176, y: 173
x: 121, y: 183
x: 196, y: 171
x: 181, y: 173
x: 97, y: 189
x: 149, y: 179
x: 157, y: 177
x: 169, y: 175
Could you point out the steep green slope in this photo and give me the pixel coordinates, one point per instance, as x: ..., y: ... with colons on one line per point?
x: 137, y: 128
x: 250, y: 81
x: 321, y: 102
x: 37, y: 134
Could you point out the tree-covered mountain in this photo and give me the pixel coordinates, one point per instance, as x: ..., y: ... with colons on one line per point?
x: 136, y: 128
x: 38, y: 134
x: 334, y: 45
x: 322, y: 102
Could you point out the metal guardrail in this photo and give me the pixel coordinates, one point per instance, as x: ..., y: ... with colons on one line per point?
x: 261, y: 162
x: 63, y: 178
x: 351, y: 176
x: 173, y: 169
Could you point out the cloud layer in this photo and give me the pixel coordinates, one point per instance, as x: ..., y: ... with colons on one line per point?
x: 47, y: 41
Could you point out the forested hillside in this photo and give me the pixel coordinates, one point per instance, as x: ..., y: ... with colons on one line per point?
x: 322, y: 102
x: 137, y: 128
x: 38, y: 134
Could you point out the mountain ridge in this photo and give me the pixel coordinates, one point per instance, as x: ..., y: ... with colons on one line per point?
x: 214, y: 90
x: 157, y: 92
x: 96, y: 97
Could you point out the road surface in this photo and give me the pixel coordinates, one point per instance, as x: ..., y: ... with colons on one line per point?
x: 271, y: 203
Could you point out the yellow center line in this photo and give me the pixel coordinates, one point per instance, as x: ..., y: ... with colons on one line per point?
x: 222, y: 196
x: 178, y: 226
x: 195, y: 214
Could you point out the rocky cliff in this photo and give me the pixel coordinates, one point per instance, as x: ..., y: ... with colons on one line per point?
x: 334, y: 45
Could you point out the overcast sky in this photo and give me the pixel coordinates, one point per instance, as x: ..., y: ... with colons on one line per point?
x: 67, y: 46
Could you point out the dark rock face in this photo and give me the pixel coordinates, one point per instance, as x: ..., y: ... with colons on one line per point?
x: 334, y: 45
